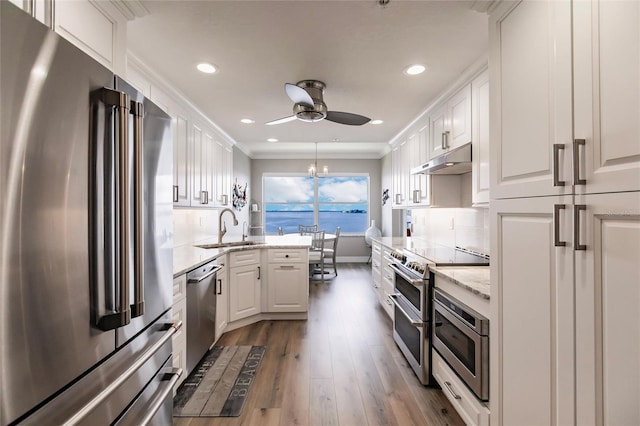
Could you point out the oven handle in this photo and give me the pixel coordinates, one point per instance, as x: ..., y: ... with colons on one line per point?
x: 417, y: 324
x: 412, y: 281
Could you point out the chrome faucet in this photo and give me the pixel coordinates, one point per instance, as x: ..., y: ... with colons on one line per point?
x: 222, y: 227
x: 245, y: 230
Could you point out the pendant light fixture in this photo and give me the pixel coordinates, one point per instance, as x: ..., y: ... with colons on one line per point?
x: 313, y: 168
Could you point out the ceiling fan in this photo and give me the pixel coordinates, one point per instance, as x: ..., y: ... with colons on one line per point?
x: 309, y: 106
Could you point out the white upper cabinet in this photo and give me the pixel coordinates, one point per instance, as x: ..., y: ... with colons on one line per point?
x: 418, y: 154
x: 96, y: 27
x: 531, y: 98
x: 606, y: 77
x: 181, y: 162
x: 400, y: 174
x: 450, y: 123
x: 222, y: 174
x: 480, y: 136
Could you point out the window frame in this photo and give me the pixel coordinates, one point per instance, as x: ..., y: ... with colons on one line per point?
x: 316, y: 203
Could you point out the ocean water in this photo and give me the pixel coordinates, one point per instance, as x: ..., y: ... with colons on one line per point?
x: 328, y: 221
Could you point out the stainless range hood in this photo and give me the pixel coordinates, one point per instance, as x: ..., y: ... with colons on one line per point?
x: 455, y: 162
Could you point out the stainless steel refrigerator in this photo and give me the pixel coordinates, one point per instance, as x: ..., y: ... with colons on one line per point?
x: 86, y: 238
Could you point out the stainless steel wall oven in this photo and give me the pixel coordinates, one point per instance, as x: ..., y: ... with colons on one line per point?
x: 461, y: 337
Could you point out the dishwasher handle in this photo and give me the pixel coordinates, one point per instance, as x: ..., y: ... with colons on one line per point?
x: 197, y: 278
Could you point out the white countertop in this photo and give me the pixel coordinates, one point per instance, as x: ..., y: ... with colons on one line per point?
x: 189, y: 256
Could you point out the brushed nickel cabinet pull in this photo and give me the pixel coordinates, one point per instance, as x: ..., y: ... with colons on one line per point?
x: 576, y: 226
x: 557, y: 147
x: 455, y: 395
x: 556, y: 225
x: 576, y: 161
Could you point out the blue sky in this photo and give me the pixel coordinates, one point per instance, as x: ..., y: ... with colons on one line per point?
x: 300, y: 189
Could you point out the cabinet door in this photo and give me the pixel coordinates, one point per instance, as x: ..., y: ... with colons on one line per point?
x: 608, y: 310
x: 437, y: 129
x: 222, y: 173
x: 530, y: 45
x: 288, y: 288
x: 181, y: 159
x: 607, y: 95
x: 532, y: 313
x: 480, y: 137
x: 459, y: 119
x: 222, y: 301
x: 244, y: 292
x: 398, y: 175
x: 203, y: 164
x: 418, y: 184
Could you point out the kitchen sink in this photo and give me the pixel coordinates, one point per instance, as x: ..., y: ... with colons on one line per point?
x: 230, y: 244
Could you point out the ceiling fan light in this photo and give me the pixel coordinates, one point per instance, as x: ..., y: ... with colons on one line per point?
x: 206, y: 68
x: 415, y: 69
x: 376, y: 121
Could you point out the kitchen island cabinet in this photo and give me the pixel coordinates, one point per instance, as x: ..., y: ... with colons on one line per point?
x: 244, y: 284
x: 222, y: 297
x: 288, y: 280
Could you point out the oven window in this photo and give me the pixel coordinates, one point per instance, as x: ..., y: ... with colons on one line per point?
x: 409, y: 291
x: 409, y: 334
x: 456, y: 341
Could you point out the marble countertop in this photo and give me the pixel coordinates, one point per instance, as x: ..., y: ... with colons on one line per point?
x: 190, y: 256
x: 472, y: 278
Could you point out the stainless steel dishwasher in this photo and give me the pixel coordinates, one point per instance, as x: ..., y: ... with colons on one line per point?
x: 201, y: 312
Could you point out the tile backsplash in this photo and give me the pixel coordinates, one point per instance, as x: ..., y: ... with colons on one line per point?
x: 194, y: 225
x: 464, y: 227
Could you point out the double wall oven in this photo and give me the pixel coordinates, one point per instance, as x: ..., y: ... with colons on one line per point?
x: 415, y: 302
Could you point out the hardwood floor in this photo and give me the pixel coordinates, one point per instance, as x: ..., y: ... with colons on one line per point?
x: 339, y: 367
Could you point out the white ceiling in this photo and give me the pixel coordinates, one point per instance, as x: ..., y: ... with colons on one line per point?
x: 357, y: 47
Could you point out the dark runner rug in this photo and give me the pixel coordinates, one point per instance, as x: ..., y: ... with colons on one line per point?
x: 219, y: 385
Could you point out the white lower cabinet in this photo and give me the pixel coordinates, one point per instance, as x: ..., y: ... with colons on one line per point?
x: 222, y: 298
x: 288, y: 280
x: 244, y: 284
x: 565, y: 298
x: 179, y: 313
x: 472, y: 411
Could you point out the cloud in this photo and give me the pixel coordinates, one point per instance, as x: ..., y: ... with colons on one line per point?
x: 345, y: 190
x: 292, y: 189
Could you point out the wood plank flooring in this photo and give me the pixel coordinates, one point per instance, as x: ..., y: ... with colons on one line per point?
x: 339, y: 367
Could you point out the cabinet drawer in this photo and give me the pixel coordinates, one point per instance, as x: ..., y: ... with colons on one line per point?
x: 179, y: 288
x: 376, y: 249
x: 244, y: 257
x: 288, y: 255
x: 472, y: 411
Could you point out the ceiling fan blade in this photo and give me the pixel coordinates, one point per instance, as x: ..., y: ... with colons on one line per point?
x: 347, y: 118
x: 298, y: 95
x: 281, y: 120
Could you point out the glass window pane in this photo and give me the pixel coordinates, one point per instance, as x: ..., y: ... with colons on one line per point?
x: 351, y: 218
x: 288, y: 189
x: 288, y: 216
x: 347, y: 189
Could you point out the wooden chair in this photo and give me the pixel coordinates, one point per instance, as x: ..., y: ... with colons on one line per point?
x: 307, y: 229
x: 316, y: 254
x: 330, y: 252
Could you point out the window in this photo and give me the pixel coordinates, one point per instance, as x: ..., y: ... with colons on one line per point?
x: 329, y: 201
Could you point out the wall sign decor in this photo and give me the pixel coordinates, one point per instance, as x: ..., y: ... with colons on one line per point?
x: 239, y: 196
x: 385, y: 196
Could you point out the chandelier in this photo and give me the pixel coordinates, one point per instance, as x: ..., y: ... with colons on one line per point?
x: 313, y: 168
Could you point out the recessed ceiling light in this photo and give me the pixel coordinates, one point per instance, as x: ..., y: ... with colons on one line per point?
x: 414, y: 69
x: 376, y: 121
x: 272, y: 140
x: 207, y: 68
x: 247, y: 121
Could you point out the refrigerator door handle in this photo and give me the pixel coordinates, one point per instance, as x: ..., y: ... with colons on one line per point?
x: 169, y: 379
x: 106, y: 392
x: 120, y: 315
x: 137, y: 307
